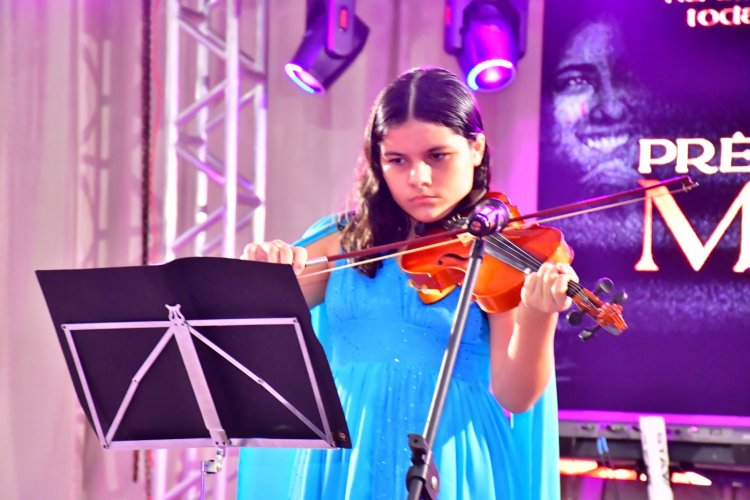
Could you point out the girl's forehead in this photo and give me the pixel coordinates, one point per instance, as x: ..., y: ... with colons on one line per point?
x: 417, y: 132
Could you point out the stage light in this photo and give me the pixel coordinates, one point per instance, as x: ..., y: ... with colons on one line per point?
x: 334, y: 36
x: 488, y: 37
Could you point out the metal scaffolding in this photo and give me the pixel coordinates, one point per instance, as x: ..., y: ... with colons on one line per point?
x: 204, y: 59
x: 222, y: 86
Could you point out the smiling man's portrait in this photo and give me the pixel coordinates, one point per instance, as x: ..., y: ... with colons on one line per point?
x: 614, y: 73
x: 596, y: 107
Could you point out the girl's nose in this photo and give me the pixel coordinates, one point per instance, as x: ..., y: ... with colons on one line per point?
x: 420, y: 175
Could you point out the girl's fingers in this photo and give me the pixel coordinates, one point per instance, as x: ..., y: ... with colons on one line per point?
x: 546, y: 289
x: 277, y: 252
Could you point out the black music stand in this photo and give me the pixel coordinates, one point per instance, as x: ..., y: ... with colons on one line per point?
x: 198, y: 352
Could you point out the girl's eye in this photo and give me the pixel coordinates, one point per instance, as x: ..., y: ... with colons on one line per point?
x: 438, y: 156
x: 395, y: 160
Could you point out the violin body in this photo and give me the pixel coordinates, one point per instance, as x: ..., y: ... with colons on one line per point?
x: 498, y: 285
x: 510, y: 253
x: 435, y: 272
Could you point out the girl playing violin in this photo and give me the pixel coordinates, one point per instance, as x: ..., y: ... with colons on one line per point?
x: 426, y: 158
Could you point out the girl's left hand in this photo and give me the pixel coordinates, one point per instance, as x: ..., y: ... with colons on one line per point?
x: 545, y: 289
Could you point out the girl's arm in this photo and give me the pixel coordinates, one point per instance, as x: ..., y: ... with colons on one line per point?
x: 522, y: 339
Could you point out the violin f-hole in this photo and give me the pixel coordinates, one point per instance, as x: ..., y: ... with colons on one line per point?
x: 452, y: 256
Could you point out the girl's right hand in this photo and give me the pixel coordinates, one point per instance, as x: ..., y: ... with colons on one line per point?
x: 277, y: 252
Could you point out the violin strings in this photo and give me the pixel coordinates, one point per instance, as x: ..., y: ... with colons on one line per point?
x: 506, y: 251
x: 511, y: 253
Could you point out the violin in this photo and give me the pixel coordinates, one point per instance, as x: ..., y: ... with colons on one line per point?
x: 510, y: 254
x: 436, y: 263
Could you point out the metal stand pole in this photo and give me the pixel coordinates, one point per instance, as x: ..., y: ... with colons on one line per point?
x: 211, y: 467
x: 422, y: 479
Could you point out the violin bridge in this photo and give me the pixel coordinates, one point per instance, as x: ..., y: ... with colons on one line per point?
x: 465, y: 238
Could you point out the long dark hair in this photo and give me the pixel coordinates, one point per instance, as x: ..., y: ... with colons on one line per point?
x: 432, y: 95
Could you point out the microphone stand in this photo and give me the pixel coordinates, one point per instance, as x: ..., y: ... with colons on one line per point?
x: 422, y: 478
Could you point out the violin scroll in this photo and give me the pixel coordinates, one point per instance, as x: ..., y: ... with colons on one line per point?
x: 606, y: 315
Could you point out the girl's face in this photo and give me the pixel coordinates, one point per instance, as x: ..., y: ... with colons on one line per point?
x: 428, y: 167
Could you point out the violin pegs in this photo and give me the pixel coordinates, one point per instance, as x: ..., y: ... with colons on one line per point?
x: 620, y: 297
x: 574, y: 317
x: 603, y: 285
x: 587, y: 333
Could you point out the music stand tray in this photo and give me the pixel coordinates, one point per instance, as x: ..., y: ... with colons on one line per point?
x: 198, y: 352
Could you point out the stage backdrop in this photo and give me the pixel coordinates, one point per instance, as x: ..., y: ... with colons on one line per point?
x: 634, y: 92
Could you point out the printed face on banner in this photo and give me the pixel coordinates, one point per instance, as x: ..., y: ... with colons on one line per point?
x: 597, y: 108
x: 634, y: 93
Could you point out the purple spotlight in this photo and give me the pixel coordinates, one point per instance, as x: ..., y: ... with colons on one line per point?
x: 334, y: 36
x: 485, y: 37
x: 491, y: 75
x: 303, y: 79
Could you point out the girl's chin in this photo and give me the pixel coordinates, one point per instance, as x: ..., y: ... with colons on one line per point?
x: 428, y: 214
x: 429, y: 218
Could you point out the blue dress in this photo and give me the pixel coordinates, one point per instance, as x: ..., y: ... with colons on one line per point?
x: 385, y: 348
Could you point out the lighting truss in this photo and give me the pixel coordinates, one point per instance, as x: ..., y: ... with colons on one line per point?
x: 192, y: 128
x: 202, y: 137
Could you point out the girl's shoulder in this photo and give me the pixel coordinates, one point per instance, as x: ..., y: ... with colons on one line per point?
x: 326, y: 231
x: 324, y: 228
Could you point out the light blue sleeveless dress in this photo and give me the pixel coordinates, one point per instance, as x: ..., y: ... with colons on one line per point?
x: 385, y: 348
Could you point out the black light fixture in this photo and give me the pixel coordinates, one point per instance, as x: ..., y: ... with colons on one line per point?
x: 488, y: 37
x: 334, y: 36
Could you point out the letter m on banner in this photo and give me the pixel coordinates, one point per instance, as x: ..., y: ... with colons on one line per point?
x: 696, y: 252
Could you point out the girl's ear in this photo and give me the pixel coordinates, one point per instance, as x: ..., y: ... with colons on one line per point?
x: 477, y: 149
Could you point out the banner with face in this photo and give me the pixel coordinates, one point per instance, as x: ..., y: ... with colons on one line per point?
x: 636, y: 92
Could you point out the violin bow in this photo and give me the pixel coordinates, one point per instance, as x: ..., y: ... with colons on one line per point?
x: 684, y: 182
x: 608, y: 201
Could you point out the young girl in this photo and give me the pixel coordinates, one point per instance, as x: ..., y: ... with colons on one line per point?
x: 426, y: 159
